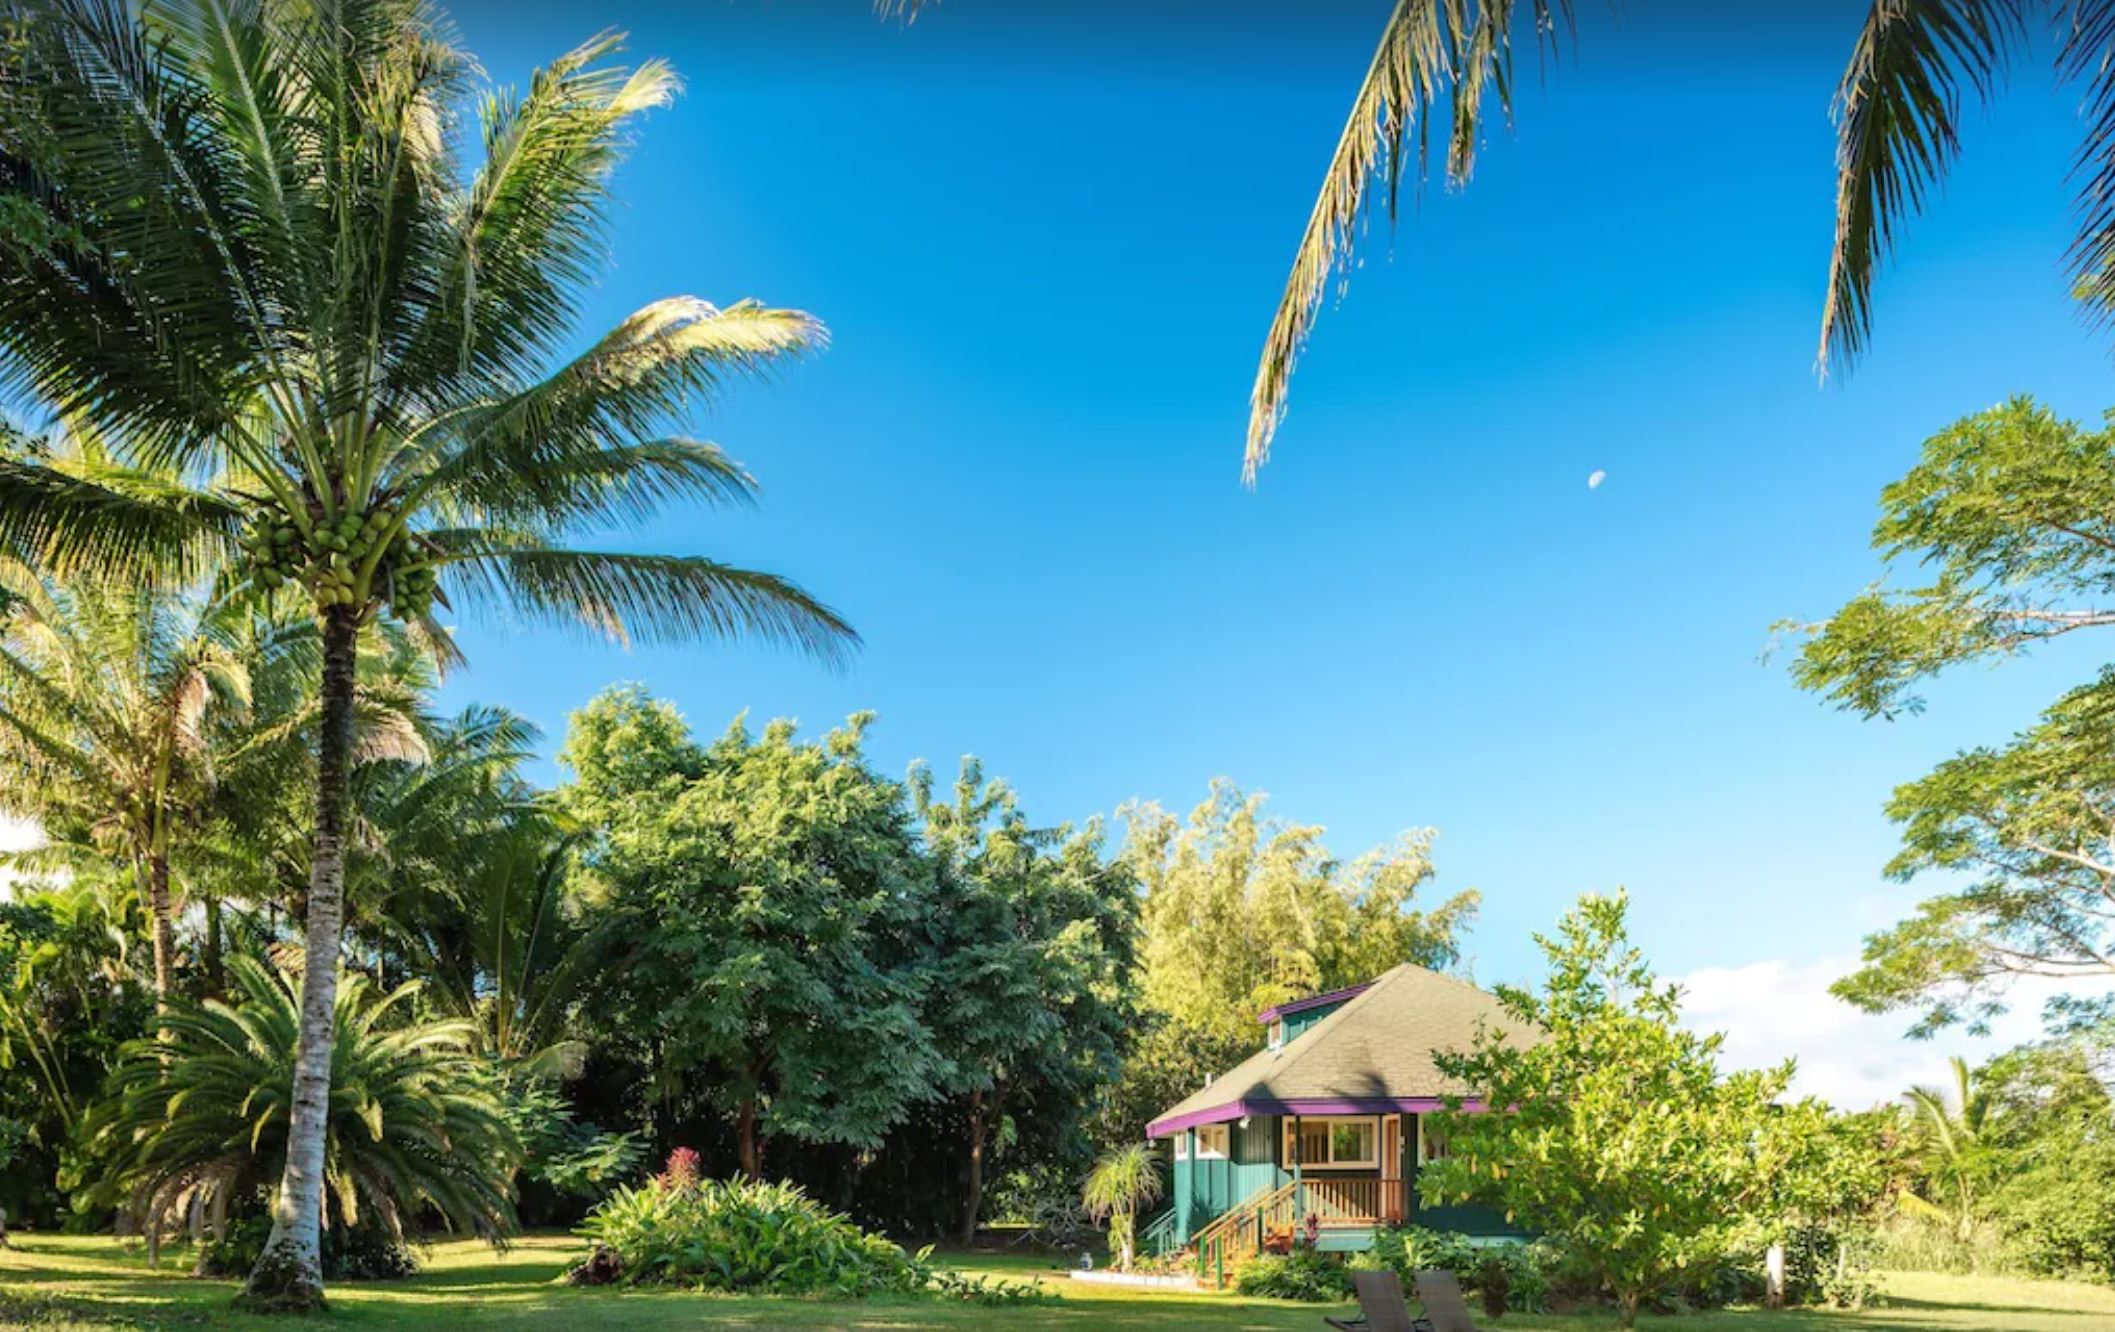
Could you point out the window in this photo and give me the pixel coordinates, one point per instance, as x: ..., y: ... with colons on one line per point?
x: 1182, y: 1146
x: 1277, y: 1033
x: 1211, y: 1141
x: 1344, y: 1142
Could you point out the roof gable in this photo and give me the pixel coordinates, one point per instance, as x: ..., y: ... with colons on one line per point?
x: 1372, y: 1054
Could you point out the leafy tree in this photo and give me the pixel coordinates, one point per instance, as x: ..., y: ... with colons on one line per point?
x: 238, y: 243
x: 2009, y: 511
x: 203, y: 1113
x: 1896, y: 110
x: 747, y: 891
x: 2049, y: 1134
x: 1030, y: 938
x: 1242, y: 914
x: 1624, y: 1141
x: 1125, y: 1181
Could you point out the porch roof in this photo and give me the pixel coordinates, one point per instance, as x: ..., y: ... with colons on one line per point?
x: 1372, y: 1056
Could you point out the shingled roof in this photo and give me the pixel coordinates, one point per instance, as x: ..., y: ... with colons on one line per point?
x: 1372, y: 1056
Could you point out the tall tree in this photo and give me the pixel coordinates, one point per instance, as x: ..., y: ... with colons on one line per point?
x: 750, y: 892
x: 106, y: 696
x: 2006, y: 519
x: 1949, y: 1135
x: 238, y: 239
x: 1619, y: 1137
x: 1030, y: 939
x: 1897, y: 111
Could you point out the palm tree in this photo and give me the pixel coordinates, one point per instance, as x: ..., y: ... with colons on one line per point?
x: 1125, y: 1180
x: 1950, y: 1133
x: 1897, y: 110
x: 107, y: 692
x: 200, y: 1116
x: 238, y: 241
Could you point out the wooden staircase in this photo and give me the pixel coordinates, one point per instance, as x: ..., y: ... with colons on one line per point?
x: 1242, y: 1231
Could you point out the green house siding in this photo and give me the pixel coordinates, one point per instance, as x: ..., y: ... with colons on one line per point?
x: 1296, y: 1023
x: 1202, y: 1189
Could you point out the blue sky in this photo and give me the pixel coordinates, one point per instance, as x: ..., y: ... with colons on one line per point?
x: 1047, y: 240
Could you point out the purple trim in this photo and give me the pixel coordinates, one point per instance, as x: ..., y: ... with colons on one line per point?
x: 1350, y: 1105
x: 1313, y: 1001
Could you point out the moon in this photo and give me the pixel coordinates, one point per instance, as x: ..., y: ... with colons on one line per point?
x: 1594, y: 482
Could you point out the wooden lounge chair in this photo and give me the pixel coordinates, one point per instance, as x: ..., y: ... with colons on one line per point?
x: 1381, y: 1301
x: 1445, y: 1310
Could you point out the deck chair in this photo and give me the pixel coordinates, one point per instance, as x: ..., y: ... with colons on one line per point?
x: 1381, y: 1301
x: 1445, y: 1310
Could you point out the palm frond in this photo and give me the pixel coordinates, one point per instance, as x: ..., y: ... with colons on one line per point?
x: 1429, y: 50
x: 647, y: 598
x: 115, y: 522
x: 2087, y: 55
x: 1897, y: 113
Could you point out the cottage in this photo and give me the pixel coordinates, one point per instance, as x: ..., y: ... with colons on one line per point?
x: 1325, y: 1128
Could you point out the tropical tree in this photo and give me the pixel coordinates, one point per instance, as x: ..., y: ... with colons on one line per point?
x: 1031, y: 940
x: 752, y: 894
x: 107, y: 693
x: 2003, y: 526
x: 1897, y: 112
x: 1619, y: 1136
x: 238, y: 241
x: 202, y: 1114
x: 1949, y: 1131
x: 1124, y: 1182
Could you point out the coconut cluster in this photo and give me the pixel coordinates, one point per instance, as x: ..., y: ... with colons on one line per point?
x: 327, y: 557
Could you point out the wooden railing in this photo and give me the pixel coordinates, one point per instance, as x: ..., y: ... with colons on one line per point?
x: 1282, y: 1216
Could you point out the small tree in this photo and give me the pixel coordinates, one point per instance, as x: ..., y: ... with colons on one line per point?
x: 1621, y: 1140
x: 1125, y: 1180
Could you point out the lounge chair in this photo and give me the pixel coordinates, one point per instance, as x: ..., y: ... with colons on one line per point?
x: 1381, y: 1301
x: 1445, y: 1310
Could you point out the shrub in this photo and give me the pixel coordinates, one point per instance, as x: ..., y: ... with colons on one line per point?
x: 358, y: 1253
x: 1507, y: 1274
x: 736, y: 1235
x: 416, y: 1128
x: 1304, y: 1274
x: 991, y: 1292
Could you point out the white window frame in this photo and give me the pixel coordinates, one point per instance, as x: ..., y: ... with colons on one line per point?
x: 1291, y: 1141
x: 1182, y: 1145
x: 1213, y: 1141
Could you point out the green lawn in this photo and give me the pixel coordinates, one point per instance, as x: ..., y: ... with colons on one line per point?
x: 52, y: 1283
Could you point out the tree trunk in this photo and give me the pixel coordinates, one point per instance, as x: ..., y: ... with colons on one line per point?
x: 214, y: 962
x: 752, y: 1156
x: 164, y: 928
x: 289, y: 1274
x: 973, y: 1202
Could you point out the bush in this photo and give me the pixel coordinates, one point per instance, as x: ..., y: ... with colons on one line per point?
x: 1304, y: 1274
x: 749, y: 1237
x: 362, y: 1253
x: 1507, y: 1274
x: 991, y: 1292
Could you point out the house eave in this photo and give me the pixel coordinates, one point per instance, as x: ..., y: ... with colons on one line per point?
x: 1306, y: 1105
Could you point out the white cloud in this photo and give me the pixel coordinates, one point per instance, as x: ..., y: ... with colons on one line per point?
x: 1773, y: 1010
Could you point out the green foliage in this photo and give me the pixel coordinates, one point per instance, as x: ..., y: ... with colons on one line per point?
x: 415, y: 1125
x: 988, y: 1291
x: 1625, y: 1143
x: 366, y: 1252
x: 1509, y: 1274
x: 1124, y: 1182
x: 1304, y: 1274
x: 570, y: 1157
x: 751, y: 893
x: 1242, y: 914
x: 748, y: 1237
x: 2006, y: 518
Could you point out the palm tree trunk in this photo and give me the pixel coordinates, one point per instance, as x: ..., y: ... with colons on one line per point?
x: 289, y: 1273
x: 973, y: 1201
x: 214, y: 961
x: 164, y: 928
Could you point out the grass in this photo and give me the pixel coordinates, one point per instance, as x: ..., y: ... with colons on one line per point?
x: 90, y: 1284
